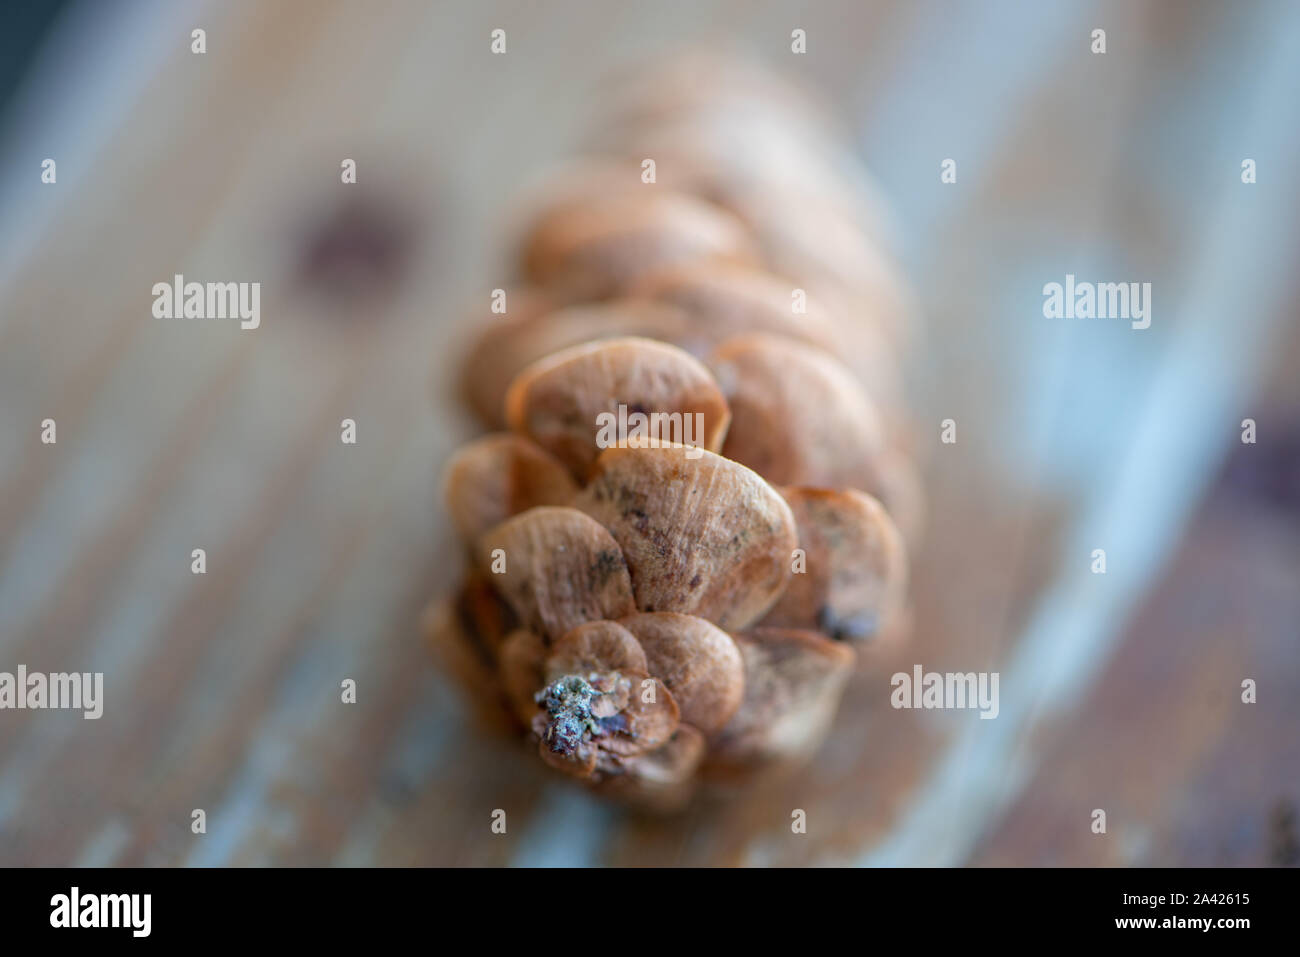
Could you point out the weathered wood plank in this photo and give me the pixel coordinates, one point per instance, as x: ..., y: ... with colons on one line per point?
x: 223, y: 689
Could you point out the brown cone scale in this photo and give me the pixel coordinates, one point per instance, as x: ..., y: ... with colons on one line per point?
x: 657, y: 611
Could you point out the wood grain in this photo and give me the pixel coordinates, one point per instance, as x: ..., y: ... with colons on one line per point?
x: 223, y: 690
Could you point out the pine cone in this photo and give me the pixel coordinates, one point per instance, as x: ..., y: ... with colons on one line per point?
x: 684, y: 600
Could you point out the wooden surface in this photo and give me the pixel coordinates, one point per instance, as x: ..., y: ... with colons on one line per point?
x: 222, y: 690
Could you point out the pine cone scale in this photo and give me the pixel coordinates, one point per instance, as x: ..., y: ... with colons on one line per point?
x: 700, y: 504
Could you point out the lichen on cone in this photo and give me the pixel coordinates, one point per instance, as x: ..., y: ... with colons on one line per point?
x: 666, y: 610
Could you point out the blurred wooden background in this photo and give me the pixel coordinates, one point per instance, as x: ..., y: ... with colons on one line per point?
x: 222, y: 691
